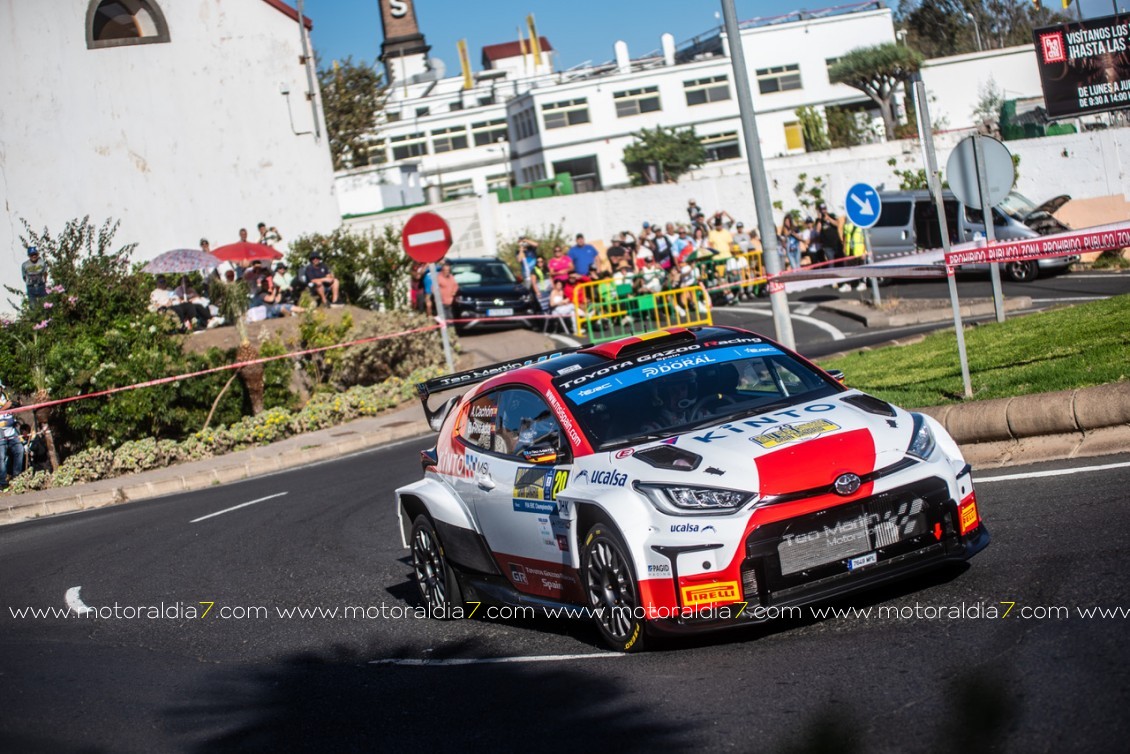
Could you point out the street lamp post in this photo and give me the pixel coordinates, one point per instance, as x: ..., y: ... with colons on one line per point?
x: 504, y: 148
x: 976, y: 28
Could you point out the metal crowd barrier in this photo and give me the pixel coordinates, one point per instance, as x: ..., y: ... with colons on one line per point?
x: 605, y: 310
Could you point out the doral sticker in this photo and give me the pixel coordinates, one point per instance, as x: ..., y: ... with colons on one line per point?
x: 787, y: 433
x: 709, y: 594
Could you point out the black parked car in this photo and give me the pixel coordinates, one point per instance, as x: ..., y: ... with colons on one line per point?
x: 489, y: 293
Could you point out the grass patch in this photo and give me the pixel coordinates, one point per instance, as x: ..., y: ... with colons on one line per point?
x: 1060, y: 349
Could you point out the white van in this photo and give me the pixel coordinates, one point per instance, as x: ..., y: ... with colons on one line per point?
x: 908, y: 222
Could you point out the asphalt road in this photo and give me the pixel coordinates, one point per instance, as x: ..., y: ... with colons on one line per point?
x: 819, y: 333
x: 326, y: 537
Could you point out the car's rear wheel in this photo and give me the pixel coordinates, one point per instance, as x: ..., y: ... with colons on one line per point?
x: 611, y: 589
x: 1021, y: 272
x: 438, y: 586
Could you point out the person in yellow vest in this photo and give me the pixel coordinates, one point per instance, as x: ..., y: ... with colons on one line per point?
x: 855, y: 249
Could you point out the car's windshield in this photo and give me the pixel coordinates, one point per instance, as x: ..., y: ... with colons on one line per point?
x: 1017, y: 206
x: 661, y: 396
x: 482, y: 273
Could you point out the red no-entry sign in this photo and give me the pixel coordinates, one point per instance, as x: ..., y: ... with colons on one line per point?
x: 426, y: 237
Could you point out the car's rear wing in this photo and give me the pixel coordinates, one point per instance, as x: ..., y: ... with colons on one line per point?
x: 471, y: 377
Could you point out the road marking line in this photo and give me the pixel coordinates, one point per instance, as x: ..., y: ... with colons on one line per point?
x: 1057, y: 472
x: 74, y: 602
x: 806, y: 309
x: 1069, y: 298
x: 428, y: 236
x: 831, y: 330
x: 565, y: 340
x: 237, y: 507
x: 494, y: 660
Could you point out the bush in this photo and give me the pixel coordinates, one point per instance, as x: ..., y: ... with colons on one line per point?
x: 375, y: 362
x: 374, y: 271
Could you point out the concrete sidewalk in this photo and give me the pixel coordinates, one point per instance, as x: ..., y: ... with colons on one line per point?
x: 1089, y: 421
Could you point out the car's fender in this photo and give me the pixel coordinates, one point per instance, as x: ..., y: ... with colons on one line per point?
x: 439, y: 502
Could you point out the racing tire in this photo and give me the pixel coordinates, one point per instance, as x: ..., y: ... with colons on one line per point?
x: 611, y: 589
x: 438, y: 587
x: 1021, y: 272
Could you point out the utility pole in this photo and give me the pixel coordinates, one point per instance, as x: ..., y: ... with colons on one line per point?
x: 778, y: 300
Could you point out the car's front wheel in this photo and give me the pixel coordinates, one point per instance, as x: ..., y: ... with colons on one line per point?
x: 438, y: 586
x: 612, y: 590
x: 1021, y: 272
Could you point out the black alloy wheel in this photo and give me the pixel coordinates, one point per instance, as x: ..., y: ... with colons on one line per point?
x: 438, y: 586
x: 611, y: 589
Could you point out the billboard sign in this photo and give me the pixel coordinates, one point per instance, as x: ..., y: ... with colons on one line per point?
x: 1084, y: 65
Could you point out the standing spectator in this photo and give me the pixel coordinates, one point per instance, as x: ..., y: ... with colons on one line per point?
x: 448, y: 288
x: 855, y: 249
x: 721, y: 240
x: 652, y: 276
x: 34, y: 272
x: 528, y: 256
x: 243, y: 235
x: 683, y: 247
x: 583, y: 255
x: 692, y: 210
x: 742, y: 239
x: 322, y: 283
x: 723, y: 217
x: 665, y: 247
x: 791, y: 240
x: 829, y: 228
x: 35, y: 449
x: 269, y: 236
x: 561, y: 264
x: 617, y: 253
x: 11, y: 444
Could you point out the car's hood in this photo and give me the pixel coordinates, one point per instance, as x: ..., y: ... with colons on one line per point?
x: 798, y: 448
x: 1050, y: 206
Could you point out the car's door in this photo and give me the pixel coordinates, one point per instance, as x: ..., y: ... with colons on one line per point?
x: 894, y: 231
x: 527, y: 466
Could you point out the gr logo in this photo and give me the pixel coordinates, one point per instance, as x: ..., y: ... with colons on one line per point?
x: 398, y: 8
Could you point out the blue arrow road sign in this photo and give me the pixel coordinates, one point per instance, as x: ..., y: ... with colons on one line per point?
x: 863, y: 205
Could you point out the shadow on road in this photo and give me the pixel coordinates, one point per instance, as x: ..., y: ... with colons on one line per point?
x: 336, y: 701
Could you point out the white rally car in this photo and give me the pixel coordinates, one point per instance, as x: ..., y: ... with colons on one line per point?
x: 684, y: 480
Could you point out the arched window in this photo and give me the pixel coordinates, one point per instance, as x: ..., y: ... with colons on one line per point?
x: 115, y: 23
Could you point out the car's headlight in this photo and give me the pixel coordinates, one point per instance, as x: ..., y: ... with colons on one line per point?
x: 680, y: 500
x: 921, y: 439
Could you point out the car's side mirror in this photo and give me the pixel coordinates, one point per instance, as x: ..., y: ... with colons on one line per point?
x: 836, y: 374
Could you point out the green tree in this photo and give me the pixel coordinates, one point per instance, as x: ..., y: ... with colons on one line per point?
x: 938, y: 28
x: 812, y: 126
x: 877, y: 71
x: 663, y: 154
x: 373, y: 269
x: 352, y: 97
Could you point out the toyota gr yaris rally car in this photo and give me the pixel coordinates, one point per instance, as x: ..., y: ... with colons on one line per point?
x: 684, y: 480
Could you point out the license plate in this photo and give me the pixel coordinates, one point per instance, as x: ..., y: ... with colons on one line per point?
x: 863, y: 560
x: 499, y: 312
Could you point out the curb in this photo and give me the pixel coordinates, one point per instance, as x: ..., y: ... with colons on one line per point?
x: 861, y: 312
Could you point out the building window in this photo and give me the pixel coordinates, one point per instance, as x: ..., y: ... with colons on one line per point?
x: 525, y: 124
x: 571, y: 112
x: 534, y: 173
x: 408, y: 145
x: 377, y: 154
x: 449, y: 139
x: 423, y: 111
x: 392, y: 116
x: 488, y: 100
x: 457, y: 189
x: 489, y: 132
x: 455, y: 106
x: 829, y: 62
x: 722, y: 146
x: 117, y: 23
x: 702, y: 91
x: 794, y: 136
x: 495, y: 182
x: 637, y: 101
x: 783, y: 78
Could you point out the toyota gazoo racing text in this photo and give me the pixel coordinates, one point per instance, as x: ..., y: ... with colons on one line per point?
x: 684, y: 480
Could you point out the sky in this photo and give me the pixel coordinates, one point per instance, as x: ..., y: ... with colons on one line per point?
x: 580, y: 30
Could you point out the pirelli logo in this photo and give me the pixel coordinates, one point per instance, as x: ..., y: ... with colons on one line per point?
x: 969, y: 517
x: 709, y: 594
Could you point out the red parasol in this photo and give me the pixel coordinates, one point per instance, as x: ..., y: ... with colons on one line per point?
x: 242, y: 252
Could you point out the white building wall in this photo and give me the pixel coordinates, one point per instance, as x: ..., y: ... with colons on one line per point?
x: 1089, y: 166
x: 177, y: 140
x: 956, y: 83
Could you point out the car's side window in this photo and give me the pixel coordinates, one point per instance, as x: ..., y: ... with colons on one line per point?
x: 480, y: 425
x: 525, y: 422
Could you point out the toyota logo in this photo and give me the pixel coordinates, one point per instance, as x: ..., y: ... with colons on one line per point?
x: 847, y: 484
